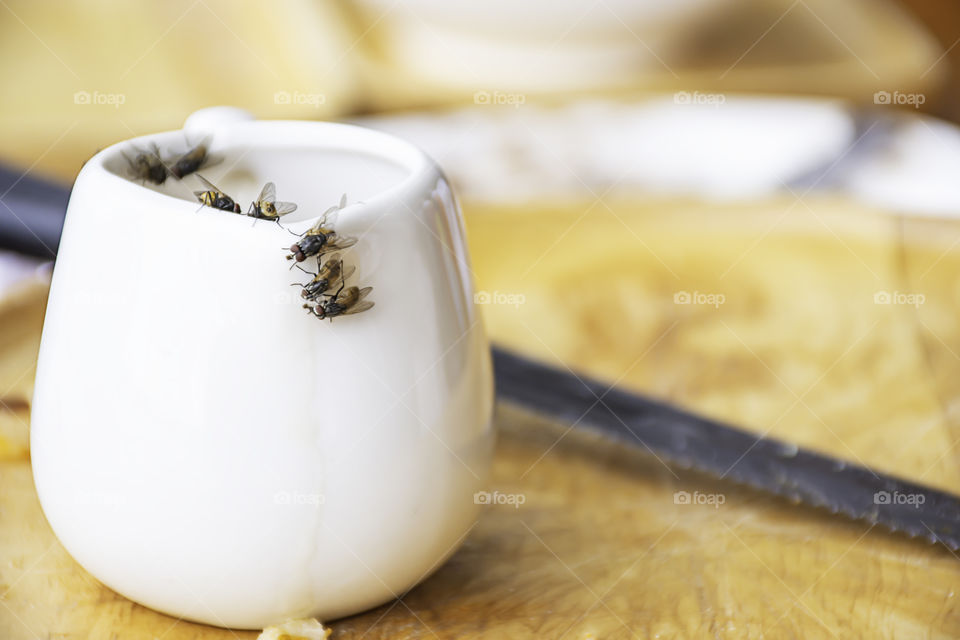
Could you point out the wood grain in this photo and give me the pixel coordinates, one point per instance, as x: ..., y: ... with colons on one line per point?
x: 600, y: 548
x: 799, y: 348
x: 21, y: 316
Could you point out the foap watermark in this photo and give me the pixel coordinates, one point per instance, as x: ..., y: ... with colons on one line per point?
x: 899, y: 98
x: 698, y: 97
x: 299, y: 98
x: 291, y: 297
x: 99, y: 98
x: 486, y: 497
x: 298, y: 498
x: 499, y: 98
x: 899, y: 297
x: 499, y: 297
x: 895, y: 497
x: 698, y: 297
x: 685, y: 498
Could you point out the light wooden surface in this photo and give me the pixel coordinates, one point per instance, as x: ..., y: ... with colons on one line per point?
x: 21, y: 316
x: 799, y: 347
x: 599, y: 548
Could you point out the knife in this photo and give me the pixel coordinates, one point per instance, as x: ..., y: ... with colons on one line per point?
x: 31, y: 213
x: 722, y: 451
x: 31, y: 217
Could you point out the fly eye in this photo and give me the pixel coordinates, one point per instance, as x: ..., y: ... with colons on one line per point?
x: 295, y: 248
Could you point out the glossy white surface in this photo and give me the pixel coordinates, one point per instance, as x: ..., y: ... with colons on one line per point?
x: 204, y: 446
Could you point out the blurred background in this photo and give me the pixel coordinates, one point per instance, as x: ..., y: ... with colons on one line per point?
x: 95, y: 72
x: 746, y: 207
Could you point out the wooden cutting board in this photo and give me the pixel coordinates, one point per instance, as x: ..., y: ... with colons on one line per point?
x: 600, y: 548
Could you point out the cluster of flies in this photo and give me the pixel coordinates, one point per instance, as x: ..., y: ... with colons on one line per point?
x: 326, y: 295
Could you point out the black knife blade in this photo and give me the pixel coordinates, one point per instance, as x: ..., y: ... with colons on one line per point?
x: 31, y: 213
x: 709, y: 446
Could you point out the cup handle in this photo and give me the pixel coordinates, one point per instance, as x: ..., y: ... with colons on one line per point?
x: 202, y: 123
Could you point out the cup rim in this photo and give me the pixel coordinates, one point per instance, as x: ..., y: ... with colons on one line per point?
x: 292, y: 134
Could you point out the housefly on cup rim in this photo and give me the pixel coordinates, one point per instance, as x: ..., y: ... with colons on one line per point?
x: 212, y: 196
x: 266, y: 206
x: 146, y: 165
x: 321, y: 238
x: 345, y: 301
x: 332, y: 273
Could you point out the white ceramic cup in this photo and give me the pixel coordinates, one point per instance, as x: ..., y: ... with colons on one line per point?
x: 203, y: 445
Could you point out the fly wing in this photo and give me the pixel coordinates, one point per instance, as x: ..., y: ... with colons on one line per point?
x: 131, y: 165
x: 329, y: 218
x: 357, y: 308
x: 345, y: 273
x: 206, y: 183
x: 173, y: 157
x: 268, y: 193
x: 333, y: 257
x: 339, y: 243
x: 283, y: 208
x: 326, y: 219
x: 154, y: 150
x: 363, y: 292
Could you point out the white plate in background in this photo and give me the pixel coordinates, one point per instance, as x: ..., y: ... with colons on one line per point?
x: 693, y: 144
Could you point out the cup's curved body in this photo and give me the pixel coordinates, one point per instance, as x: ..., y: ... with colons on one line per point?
x: 203, y: 445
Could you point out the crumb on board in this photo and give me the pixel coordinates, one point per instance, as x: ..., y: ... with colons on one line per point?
x: 303, y: 629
